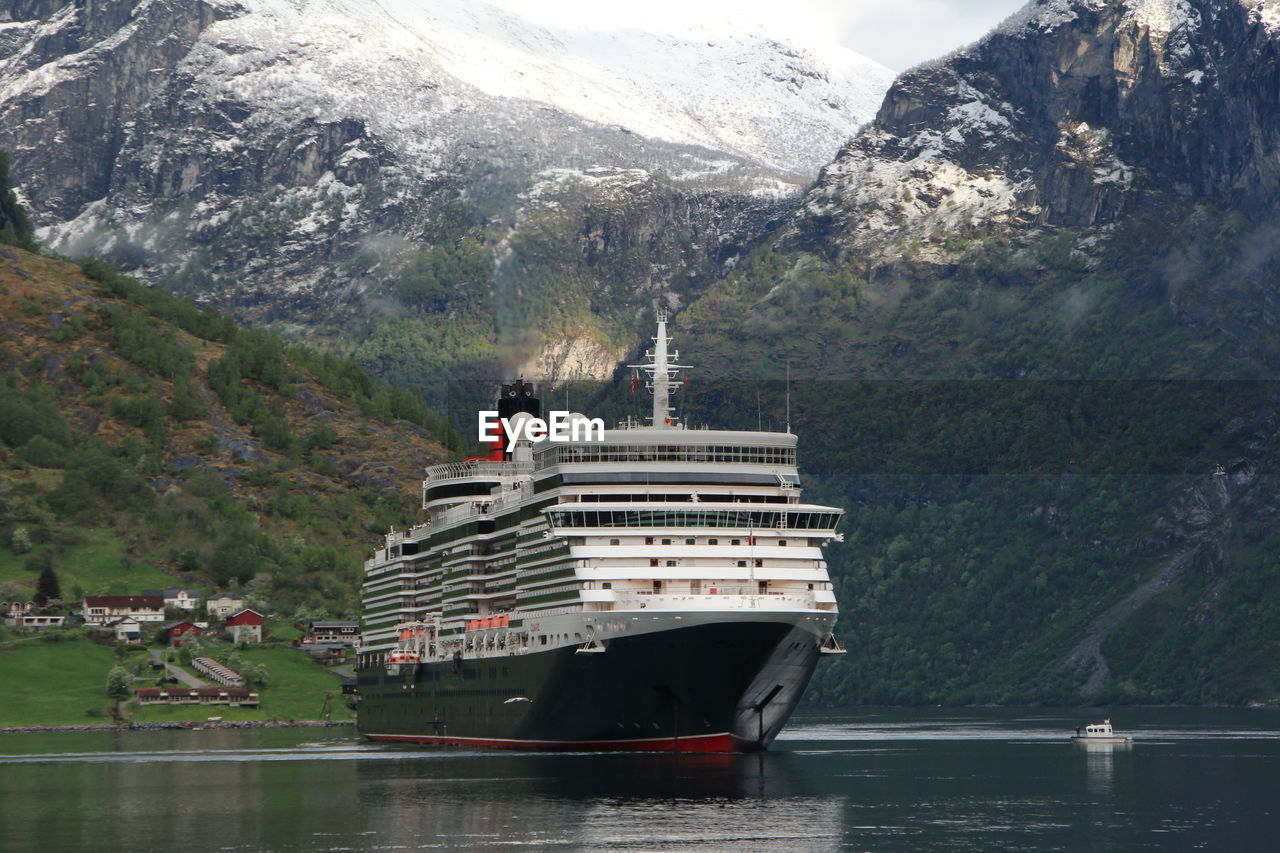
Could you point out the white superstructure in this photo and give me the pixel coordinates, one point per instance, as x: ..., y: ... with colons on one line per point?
x: 561, y: 543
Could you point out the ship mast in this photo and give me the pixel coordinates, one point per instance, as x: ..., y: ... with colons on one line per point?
x: 662, y: 372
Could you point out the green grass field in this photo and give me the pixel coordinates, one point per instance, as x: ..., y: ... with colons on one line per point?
x: 95, y: 566
x: 296, y: 687
x: 64, y: 683
x: 54, y: 684
x: 281, y: 629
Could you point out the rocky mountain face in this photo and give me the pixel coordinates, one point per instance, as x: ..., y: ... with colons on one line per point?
x: 1088, y: 193
x: 1066, y: 115
x: 284, y: 160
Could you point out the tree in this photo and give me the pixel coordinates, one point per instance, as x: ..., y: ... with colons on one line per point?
x: 119, y: 686
x: 47, y: 587
x: 15, y: 226
x: 21, y: 542
x: 256, y: 675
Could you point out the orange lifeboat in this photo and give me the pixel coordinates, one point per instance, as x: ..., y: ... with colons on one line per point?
x: 403, y: 656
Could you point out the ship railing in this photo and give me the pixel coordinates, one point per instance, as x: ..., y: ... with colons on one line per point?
x: 478, y: 468
x: 722, y: 599
x: 480, y: 508
x: 716, y: 589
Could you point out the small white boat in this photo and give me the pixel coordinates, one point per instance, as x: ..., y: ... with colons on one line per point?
x: 1099, y: 733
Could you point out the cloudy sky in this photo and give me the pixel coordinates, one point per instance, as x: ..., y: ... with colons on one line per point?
x: 898, y: 33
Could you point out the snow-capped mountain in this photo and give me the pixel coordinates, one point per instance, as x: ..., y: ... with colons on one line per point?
x: 397, y: 64
x: 245, y: 147
x: 1064, y: 115
x: 750, y: 96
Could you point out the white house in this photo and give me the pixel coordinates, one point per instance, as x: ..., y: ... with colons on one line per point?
x: 220, y: 605
x: 105, y: 609
x: 177, y: 598
x: 14, y: 611
x: 29, y: 622
x: 127, y: 630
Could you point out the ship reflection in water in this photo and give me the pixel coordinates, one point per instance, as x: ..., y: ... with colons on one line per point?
x: 1100, y: 761
x: 603, y: 801
x: 868, y: 779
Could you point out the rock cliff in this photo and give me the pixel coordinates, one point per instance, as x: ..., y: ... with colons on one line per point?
x: 283, y: 160
x: 1065, y: 115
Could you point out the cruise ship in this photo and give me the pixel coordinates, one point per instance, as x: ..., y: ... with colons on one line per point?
x: 649, y: 587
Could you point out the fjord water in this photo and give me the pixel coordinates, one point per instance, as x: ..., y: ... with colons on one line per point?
x: 858, y: 780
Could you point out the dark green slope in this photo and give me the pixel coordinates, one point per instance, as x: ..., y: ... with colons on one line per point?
x: 145, y: 443
x: 1017, y: 534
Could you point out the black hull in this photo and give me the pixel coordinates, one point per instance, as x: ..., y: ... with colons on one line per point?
x: 713, y: 687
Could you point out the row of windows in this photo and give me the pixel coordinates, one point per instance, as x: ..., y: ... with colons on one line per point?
x: 564, y: 587
x: 649, y: 540
x: 809, y: 520
x: 742, y: 564
x: 704, y: 497
x: 532, y: 575
x: 574, y: 453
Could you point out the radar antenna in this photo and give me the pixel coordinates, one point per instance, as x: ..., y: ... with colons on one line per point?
x: 662, y: 374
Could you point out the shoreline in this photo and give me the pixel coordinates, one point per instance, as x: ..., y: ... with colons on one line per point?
x: 175, y: 725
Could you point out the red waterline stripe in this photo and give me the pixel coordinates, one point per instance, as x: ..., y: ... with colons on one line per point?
x: 699, y: 743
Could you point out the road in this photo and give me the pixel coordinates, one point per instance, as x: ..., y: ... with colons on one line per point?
x: 182, y: 675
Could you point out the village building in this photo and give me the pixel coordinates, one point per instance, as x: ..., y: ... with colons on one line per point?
x: 233, y: 696
x: 30, y: 622
x: 335, y: 633
x: 220, y: 605
x: 105, y: 609
x: 13, y: 611
x: 177, y: 598
x: 326, y: 654
x: 216, y: 671
x: 176, y: 632
x: 245, y: 626
x: 126, y: 630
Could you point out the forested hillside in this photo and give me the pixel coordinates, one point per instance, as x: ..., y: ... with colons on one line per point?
x: 1030, y: 311
x: 1027, y: 438
x: 146, y: 443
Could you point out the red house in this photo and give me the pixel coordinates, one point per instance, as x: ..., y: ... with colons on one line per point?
x: 178, y: 630
x: 245, y: 625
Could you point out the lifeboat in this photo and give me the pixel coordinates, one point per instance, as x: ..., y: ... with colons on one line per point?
x: 398, y: 656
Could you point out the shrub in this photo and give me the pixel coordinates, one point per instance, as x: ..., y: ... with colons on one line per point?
x: 21, y: 541
x: 43, y: 453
